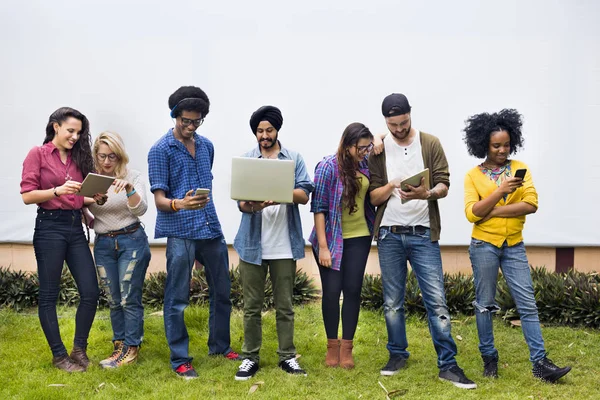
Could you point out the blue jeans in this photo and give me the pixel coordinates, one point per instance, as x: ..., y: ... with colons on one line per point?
x: 485, y: 260
x: 59, y: 237
x: 395, y: 250
x: 212, y: 254
x: 121, y: 262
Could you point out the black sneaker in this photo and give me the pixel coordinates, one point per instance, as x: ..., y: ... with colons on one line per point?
x: 291, y: 366
x: 247, y: 370
x: 490, y: 367
x: 457, y: 377
x: 545, y: 370
x: 186, y: 371
x: 395, y: 364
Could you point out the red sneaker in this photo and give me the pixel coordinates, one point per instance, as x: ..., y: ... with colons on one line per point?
x: 186, y: 371
x: 232, y: 355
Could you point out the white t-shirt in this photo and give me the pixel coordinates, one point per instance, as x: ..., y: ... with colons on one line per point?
x: 403, y: 162
x: 275, y: 234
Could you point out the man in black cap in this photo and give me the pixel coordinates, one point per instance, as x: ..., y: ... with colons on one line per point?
x: 407, y: 228
x: 270, y: 240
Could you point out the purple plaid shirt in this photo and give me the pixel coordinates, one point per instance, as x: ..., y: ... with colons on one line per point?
x: 327, y: 199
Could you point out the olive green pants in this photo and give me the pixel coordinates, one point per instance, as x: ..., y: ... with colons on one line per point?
x: 283, y: 273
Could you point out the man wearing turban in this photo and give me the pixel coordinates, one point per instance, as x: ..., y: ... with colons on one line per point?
x: 270, y: 240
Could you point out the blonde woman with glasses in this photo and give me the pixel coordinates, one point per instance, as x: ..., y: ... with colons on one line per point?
x: 121, y: 248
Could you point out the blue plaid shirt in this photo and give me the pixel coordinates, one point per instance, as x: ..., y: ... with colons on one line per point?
x: 247, y: 242
x: 172, y: 168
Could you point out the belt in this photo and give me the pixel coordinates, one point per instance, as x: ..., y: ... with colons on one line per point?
x: 408, y: 230
x: 57, y: 211
x: 128, y: 229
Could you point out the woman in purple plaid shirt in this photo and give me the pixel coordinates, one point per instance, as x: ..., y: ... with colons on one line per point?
x: 341, y: 237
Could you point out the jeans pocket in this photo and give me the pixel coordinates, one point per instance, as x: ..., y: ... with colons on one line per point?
x: 383, y: 232
x: 477, y: 243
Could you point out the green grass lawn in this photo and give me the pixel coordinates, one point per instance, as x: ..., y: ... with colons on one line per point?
x: 26, y: 371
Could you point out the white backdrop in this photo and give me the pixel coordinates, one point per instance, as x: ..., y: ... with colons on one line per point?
x: 325, y: 64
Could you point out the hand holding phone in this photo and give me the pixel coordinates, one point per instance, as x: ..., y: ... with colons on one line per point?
x: 200, y: 191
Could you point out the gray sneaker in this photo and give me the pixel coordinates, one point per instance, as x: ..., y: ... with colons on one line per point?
x: 394, y: 364
x: 457, y: 377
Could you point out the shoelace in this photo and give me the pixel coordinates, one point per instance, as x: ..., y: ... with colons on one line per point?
x: 293, y: 363
x: 246, y: 365
x: 186, y: 367
x: 546, y: 362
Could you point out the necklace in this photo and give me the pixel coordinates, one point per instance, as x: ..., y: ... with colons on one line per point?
x: 67, y: 165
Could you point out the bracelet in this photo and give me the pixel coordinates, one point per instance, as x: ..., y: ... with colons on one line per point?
x: 131, y: 193
x: 55, y: 193
x: 173, y: 205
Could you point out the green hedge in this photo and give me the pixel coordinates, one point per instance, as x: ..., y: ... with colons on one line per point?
x: 19, y: 290
x: 571, y: 298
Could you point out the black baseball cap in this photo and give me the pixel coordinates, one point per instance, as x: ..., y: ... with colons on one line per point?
x: 395, y: 104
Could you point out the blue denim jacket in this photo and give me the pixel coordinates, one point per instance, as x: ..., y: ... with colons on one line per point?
x: 247, y: 241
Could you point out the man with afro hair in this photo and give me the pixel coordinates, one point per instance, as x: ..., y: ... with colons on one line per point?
x: 179, y: 163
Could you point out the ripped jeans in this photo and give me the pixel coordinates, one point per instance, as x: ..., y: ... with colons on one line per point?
x: 395, y: 249
x: 121, y: 262
x: 486, y: 259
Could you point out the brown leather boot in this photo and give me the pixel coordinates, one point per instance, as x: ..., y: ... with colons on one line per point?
x: 117, y: 347
x: 79, y: 355
x: 346, y: 360
x: 332, y: 359
x: 67, y: 364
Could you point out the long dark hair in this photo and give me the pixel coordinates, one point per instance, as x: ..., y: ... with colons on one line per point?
x: 81, y: 153
x: 347, y: 165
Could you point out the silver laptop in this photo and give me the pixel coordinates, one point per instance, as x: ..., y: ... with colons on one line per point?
x: 259, y: 179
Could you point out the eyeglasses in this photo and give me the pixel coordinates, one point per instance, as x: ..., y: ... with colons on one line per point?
x: 365, y: 149
x: 111, y: 156
x: 196, y: 122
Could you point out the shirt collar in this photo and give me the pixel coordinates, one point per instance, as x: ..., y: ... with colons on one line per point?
x: 283, y: 152
x: 174, y: 142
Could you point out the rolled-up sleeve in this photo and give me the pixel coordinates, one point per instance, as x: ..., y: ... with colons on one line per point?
x: 323, y: 179
x: 158, y: 169
x: 30, y: 177
x: 376, y: 171
x: 471, y: 197
x: 530, y: 195
x: 302, y: 179
x: 140, y: 187
x: 441, y: 172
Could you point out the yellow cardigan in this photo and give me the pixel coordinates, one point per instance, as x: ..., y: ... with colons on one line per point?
x: 496, y: 230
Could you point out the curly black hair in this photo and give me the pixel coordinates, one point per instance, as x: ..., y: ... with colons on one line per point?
x: 480, y: 127
x: 189, y: 98
x: 82, y: 149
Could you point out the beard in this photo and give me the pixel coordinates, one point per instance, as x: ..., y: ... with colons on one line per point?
x: 268, y: 143
x: 403, y: 133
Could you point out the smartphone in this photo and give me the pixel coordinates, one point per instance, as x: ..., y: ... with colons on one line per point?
x: 202, y: 191
x: 520, y: 173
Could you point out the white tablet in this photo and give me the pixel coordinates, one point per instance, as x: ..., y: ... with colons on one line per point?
x: 260, y: 179
x: 95, y: 183
x: 415, y: 180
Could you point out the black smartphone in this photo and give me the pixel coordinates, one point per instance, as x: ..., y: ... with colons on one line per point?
x: 520, y: 173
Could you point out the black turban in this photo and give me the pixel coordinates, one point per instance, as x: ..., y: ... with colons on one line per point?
x: 266, y: 113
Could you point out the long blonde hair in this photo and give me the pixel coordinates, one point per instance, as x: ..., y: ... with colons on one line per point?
x: 114, y: 141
